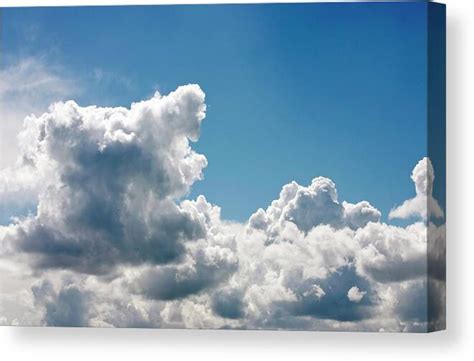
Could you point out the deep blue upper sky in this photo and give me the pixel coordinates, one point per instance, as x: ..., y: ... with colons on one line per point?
x: 293, y: 91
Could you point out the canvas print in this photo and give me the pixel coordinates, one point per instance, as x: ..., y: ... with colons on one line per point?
x: 259, y: 166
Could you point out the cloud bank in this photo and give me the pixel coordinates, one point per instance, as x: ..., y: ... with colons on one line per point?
x: 114, y: 241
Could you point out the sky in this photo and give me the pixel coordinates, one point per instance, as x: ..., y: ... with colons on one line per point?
x: 293, y: 92
x: 224, y: 167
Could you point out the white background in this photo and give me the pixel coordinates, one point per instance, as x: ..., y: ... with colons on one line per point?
x: 457, y: 343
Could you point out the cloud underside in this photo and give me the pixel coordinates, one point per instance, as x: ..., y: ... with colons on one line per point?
x: 113, y: 241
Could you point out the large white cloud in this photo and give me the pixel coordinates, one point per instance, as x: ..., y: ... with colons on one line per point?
x: 113, y: 242
x: 108, y: 179
x: 338, y: 265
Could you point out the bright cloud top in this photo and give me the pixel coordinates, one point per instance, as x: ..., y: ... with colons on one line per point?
x: 423, y: 205
x: 113, y: 242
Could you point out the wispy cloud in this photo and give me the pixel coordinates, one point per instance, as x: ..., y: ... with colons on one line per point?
x: 28, y: 86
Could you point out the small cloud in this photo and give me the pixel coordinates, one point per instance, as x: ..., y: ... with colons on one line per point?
x: 355, y: 294
x: 423, y: 205
x: 315, y: 291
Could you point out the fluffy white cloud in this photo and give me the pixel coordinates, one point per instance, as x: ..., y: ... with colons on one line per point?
x: 423, y: 205
x: 355, y: 294
x: 108, y: 180
x: 390, y: 254
x: 113, y: 243
x: 309, y: 207
x: 26, y: 87
x: 310, y: 260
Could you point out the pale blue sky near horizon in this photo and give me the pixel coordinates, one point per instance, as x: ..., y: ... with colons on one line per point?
x: 293, y: 91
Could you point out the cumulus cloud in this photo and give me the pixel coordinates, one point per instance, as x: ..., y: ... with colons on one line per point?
x: 17, y: 303
x: 26, y: 87
x: 207, y: 262
x: 423, y: 204
x: 207, y: 267
x: 114, y: 242
x: 311, y: 206
x: 64, y: 308
x: 392, y: 254
x: 355, y: 294
x: 228, y: 303
x: 109, y: 178
x: 305, y: 248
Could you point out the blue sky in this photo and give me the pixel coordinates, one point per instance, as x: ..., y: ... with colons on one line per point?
x: 293, y: 92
